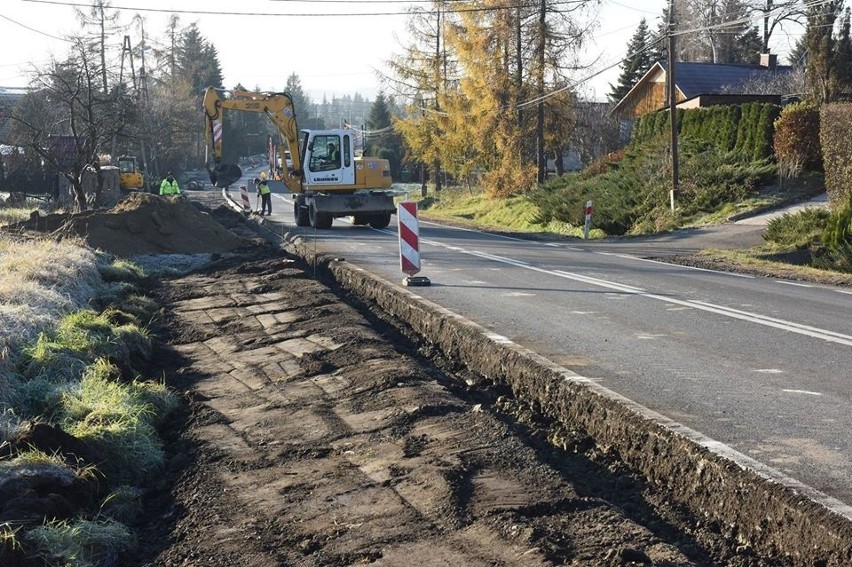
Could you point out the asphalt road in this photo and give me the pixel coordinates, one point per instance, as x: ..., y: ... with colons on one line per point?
x: 759, y: 365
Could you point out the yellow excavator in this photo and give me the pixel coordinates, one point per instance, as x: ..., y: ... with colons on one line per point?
x: 129, y: 175
x: 326, y: 178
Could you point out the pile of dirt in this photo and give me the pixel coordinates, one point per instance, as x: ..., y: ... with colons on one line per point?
x: 142, y: 223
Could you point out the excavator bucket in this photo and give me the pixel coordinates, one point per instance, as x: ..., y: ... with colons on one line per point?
x: 225, y: 174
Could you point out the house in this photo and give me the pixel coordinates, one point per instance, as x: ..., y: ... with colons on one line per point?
x: 698, y: 85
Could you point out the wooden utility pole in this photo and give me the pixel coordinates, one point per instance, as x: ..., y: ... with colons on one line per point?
x: 670, y: 79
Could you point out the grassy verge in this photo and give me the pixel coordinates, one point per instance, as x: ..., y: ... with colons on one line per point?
x: 78, y: 418
x: 630, y: 195
x: 473, y: 209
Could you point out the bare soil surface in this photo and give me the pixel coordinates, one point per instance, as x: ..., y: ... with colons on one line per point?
x: 318, y: 435
x: 141, y: 223
x: 316, y: 432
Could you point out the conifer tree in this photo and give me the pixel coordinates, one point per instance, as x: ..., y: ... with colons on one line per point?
x: 197, y: 60
x: 384, y: 141
x: 843, y: 59
x: 820, y: 41
x: 635, y: 64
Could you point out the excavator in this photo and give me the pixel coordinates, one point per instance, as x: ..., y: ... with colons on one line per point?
x: 129, y: 175
x: 327, y: 179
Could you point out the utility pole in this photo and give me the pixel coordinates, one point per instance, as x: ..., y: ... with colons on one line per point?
x: 670, y: 78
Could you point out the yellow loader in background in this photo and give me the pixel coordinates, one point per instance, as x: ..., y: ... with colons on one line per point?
x: 130, y: 176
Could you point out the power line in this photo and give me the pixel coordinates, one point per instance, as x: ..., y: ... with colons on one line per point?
x: 407, y: 12
x: 35, y: 30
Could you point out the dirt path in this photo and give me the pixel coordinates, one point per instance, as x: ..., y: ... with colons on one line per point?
x: 318, y: 435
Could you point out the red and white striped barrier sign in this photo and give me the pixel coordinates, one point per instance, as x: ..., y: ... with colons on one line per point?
x: 588, y: 223
x: 409, y: 238
x: 409, y: 243
x: 217, y: 131
x: 245, y: 198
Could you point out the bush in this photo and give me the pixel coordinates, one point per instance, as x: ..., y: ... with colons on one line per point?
x: 633, y: 195
x: 796, y: 143
x: 798, y: 230
x: 837, y: 238
x: 835, y: 135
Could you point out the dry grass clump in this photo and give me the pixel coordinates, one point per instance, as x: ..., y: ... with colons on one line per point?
x: 120, y: 419
x: 83, y: 543
x: 39, y: 281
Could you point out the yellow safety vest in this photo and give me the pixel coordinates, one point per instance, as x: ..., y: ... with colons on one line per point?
x: 167, y: 188
x: 263, y: 188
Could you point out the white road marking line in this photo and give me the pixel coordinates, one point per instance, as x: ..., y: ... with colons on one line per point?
x: 783, y: 322
x: 843, y: 291
x: 477, y: 231
x: 814, y: 332
x: 650, y: 336
x: 792, y: 283
x: 518, y: 294
x: 768, y: 370
x: 629, y: 257
x: 805, y: 392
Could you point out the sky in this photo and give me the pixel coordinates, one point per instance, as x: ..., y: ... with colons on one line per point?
x: 336, y: 47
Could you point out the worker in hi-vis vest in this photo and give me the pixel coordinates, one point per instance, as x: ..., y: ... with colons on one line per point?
x: 169, y: 186
x: 265, y: 194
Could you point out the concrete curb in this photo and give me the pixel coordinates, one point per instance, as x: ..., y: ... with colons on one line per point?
x: 774, y: 515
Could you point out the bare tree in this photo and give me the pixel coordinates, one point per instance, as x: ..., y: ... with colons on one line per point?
x: 68, y: 121
x: 104, y: 20
x: 790, y: 82
x: 774, y: 14
x: 716, y: 30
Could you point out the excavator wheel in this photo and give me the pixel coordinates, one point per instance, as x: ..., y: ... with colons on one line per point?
x: 380, y: 220
x: 300, y: 213
x: 318, y: 219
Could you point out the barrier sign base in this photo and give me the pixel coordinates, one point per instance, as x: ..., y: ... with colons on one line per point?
x: 416, y: 281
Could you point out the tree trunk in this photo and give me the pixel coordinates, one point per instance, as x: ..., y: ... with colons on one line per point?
x: 78, y: 196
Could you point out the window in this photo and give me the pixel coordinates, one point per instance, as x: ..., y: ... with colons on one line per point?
x: 346, y: 153
x: 326, y: 153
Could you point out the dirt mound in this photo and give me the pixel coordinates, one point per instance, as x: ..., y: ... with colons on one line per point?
x: 142, y: 223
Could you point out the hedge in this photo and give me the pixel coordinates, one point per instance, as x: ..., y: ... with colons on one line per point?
x: 746, y: 129
x: 835, y: 136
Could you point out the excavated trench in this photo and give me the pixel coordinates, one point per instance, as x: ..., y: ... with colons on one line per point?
x: 754, y: 507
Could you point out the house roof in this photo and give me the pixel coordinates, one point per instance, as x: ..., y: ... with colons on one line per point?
x: 694, y: 79
x: 711, y: 78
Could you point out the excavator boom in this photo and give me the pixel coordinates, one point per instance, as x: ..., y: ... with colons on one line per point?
x: 277, y: 106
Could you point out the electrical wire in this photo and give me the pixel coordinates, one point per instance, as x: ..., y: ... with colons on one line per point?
x: 408, y: 12
x: 35, y: 30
